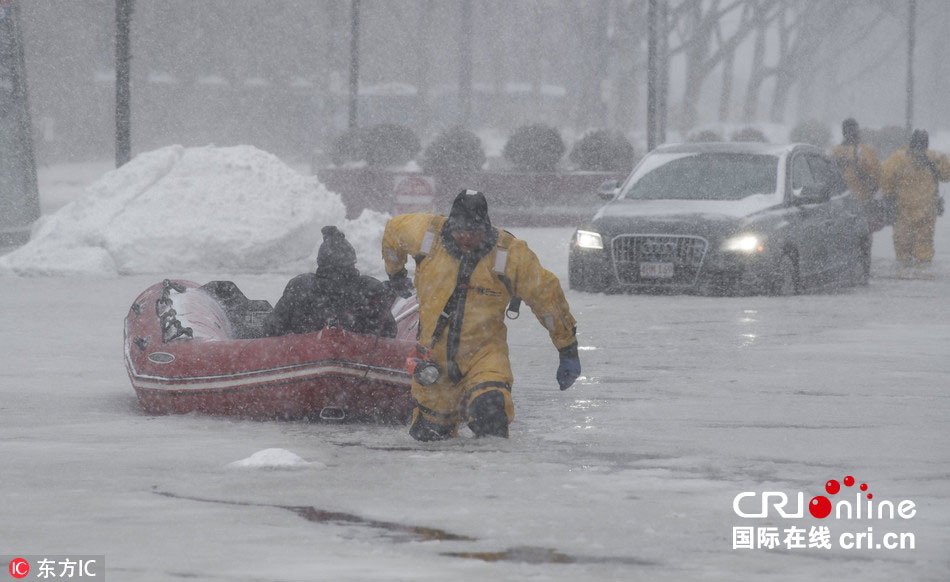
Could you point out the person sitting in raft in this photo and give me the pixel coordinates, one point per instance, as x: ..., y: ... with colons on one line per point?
x: 336, y: 294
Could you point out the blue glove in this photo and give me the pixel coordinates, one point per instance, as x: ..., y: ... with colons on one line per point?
x: 401, y: 284
x: 570, y: 367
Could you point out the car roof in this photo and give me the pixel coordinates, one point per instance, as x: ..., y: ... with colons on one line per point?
x: 731, y: 148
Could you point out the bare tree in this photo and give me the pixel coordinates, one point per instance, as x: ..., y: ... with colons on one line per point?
x: 627, y: 54
x: 703, y: 43
x: 761, y: 16
x: 810, y: 34
x: 801, y: 31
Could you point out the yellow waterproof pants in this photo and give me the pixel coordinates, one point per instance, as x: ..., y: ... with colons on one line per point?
x: 444, y: 405
x: 914, y: 237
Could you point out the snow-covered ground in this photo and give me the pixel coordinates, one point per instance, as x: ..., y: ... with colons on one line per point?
x: 686, y: 402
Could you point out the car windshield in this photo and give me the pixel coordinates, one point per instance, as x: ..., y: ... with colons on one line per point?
x: 704, y: 176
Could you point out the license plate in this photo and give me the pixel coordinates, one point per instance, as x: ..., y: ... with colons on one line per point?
x: 656, y: 270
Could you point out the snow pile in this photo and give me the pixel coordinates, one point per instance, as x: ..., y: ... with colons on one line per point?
x: 274, y: 459
x: 177, y: 210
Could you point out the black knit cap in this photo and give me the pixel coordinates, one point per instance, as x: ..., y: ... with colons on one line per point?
x: 850, y: 131
x: 335, y: 251
x: 919, y: 140
x: 469, y: 212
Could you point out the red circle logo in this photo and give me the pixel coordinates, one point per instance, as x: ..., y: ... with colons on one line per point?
x: 19, y: 568
x: 819, y: 507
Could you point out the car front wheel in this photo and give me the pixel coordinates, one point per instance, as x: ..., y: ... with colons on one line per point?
x: 787, y: 279
x: 586, y: 275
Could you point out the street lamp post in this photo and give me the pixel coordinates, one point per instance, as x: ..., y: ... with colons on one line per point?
x: 352, y: 119
x: 19, y: 197
x: 911, y: 41
x: 652, y: 75
x: 123, y: 93
x: 465, y: 65
x: 657, y: 54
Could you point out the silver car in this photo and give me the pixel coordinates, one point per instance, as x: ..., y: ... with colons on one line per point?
x: 725, y: 218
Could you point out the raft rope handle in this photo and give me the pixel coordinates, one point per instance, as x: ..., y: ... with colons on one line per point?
x: 171, y: 326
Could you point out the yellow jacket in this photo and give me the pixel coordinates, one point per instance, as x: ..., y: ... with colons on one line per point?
x: 914, y: 187
x: 483, y: 317
x: 860, y: 167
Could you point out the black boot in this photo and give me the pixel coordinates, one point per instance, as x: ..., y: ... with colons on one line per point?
x: 425, y: 430
x: 486, y: 415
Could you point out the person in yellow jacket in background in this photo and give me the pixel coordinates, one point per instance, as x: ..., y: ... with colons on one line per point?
x: 860, y: 168
x: 467, y: 274
x: 910, y: 177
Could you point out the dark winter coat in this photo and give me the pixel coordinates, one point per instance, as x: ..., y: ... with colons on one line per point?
x: 336, y: 296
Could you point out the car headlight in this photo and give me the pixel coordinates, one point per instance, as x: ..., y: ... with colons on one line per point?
x: 586, y: 239
x: 744, y: 243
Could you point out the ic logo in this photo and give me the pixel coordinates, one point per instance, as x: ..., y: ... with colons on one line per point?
x: 19, y: 568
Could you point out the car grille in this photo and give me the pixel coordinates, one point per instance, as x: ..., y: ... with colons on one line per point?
x: 684, y: 253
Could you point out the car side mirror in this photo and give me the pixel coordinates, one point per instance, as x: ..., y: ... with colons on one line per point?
x: 813, y: 195
x: 608, y: 189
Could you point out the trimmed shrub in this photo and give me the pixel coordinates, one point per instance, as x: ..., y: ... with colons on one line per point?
x: 706, y: 135
x: 454, y: 150
x: 389, y: 144
x: 534, y: 148
x: 347, y: 147
x: 602, y: 150
x: 749, y: 134
x: 886, y: 140
x: 811, y: 131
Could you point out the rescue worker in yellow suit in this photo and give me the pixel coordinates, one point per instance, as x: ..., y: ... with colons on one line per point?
x: 860, y: 168
x: 910, y: 177
x: 467, y: 273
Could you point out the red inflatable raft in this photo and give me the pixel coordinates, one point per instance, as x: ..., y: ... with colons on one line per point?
x: 191, y: 348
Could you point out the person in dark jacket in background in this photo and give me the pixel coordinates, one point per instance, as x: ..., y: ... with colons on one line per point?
x: 336, y: 295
